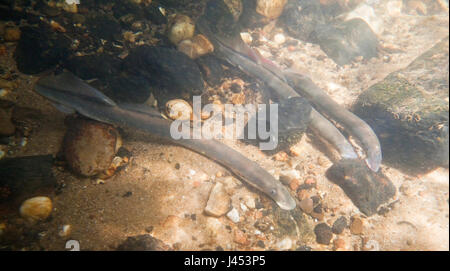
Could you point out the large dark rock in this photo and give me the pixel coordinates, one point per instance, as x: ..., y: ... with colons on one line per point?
x: 39, y: 49
x: 301, y: 17
x: 294, y: 116
x: 212, y: 69
x: 367, y: 189
x: 126, y: 88
x: 104, y: 27
x: 171, y: 73
x: 346, y: 41
x: 93, y: 66
x: 27, y: 176
x: 409, y: 110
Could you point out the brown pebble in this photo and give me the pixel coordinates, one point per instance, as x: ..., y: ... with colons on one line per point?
x: 357, y: 225
x: 339, y: 244
x: 319, y: 217
x: 294, y: 184
x: 241, y: 238
x: 311, y: 182
x: 302, y: 194
x: 306, y: 205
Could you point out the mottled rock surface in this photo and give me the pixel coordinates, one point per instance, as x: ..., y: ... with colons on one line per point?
x: 367, y: 189
x: 409, y: 110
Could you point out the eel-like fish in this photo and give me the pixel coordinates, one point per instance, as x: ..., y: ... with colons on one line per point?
x: 74, y: 95
x: 305, y: 87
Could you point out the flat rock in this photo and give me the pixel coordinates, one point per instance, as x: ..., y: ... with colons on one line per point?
x: 409, y: 112
x: 219, y: 201
x: 367, y: 189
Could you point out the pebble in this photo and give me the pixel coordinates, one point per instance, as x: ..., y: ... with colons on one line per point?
x: 250, y: 202
x: 307, y: 205
x: 180, y: 28
x: 318, y: 216
x: 37, y: 208
x: 339, y: 225
x: 178, y: 109
x: 233, y: 215
x: 323, y: 234
x: 246, y: 37
x: 357, y: 225
x: 284, y: 244
x: 241, y: 238
x: 202, y: 45
x: 12, y: 34
x: 371, y: 245
x: 270, y: 9
x: 219, y: 201
x: 65, y: 231
x: 279, y: 38
x: 287, y: 176
x: 294, y: 184
x: 243, y: 207
x: 310, y: 182
x: 339, y: 244
x: 89, y: 146
x: 302, y: 194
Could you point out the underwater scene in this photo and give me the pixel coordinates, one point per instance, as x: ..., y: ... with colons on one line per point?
x: 224, y: 125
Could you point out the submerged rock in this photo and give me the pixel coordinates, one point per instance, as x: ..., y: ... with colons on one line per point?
x: 143, y: 242
x: 37, y: 208
x: 409, y: 112
x: 90, y: 146
x: 367, y: 189
x: 339, y: 225
x: 170, y: 72
x: 39, y: 49
x: 301, y: 17
x: 323, y: 233
x: 211, y: 68
x: 294, y: 116
x: 22, y: 177
x: 219, y: 201
x: 93, y: 66
x: 104, y: 26
x: 346, y: 41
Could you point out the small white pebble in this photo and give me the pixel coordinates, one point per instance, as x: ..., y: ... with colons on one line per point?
x: 243, y: 207
x: 233, y: 215
x: 279, y: 39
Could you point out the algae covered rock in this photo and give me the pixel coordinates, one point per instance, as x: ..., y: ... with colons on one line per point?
x: 409, y: 110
